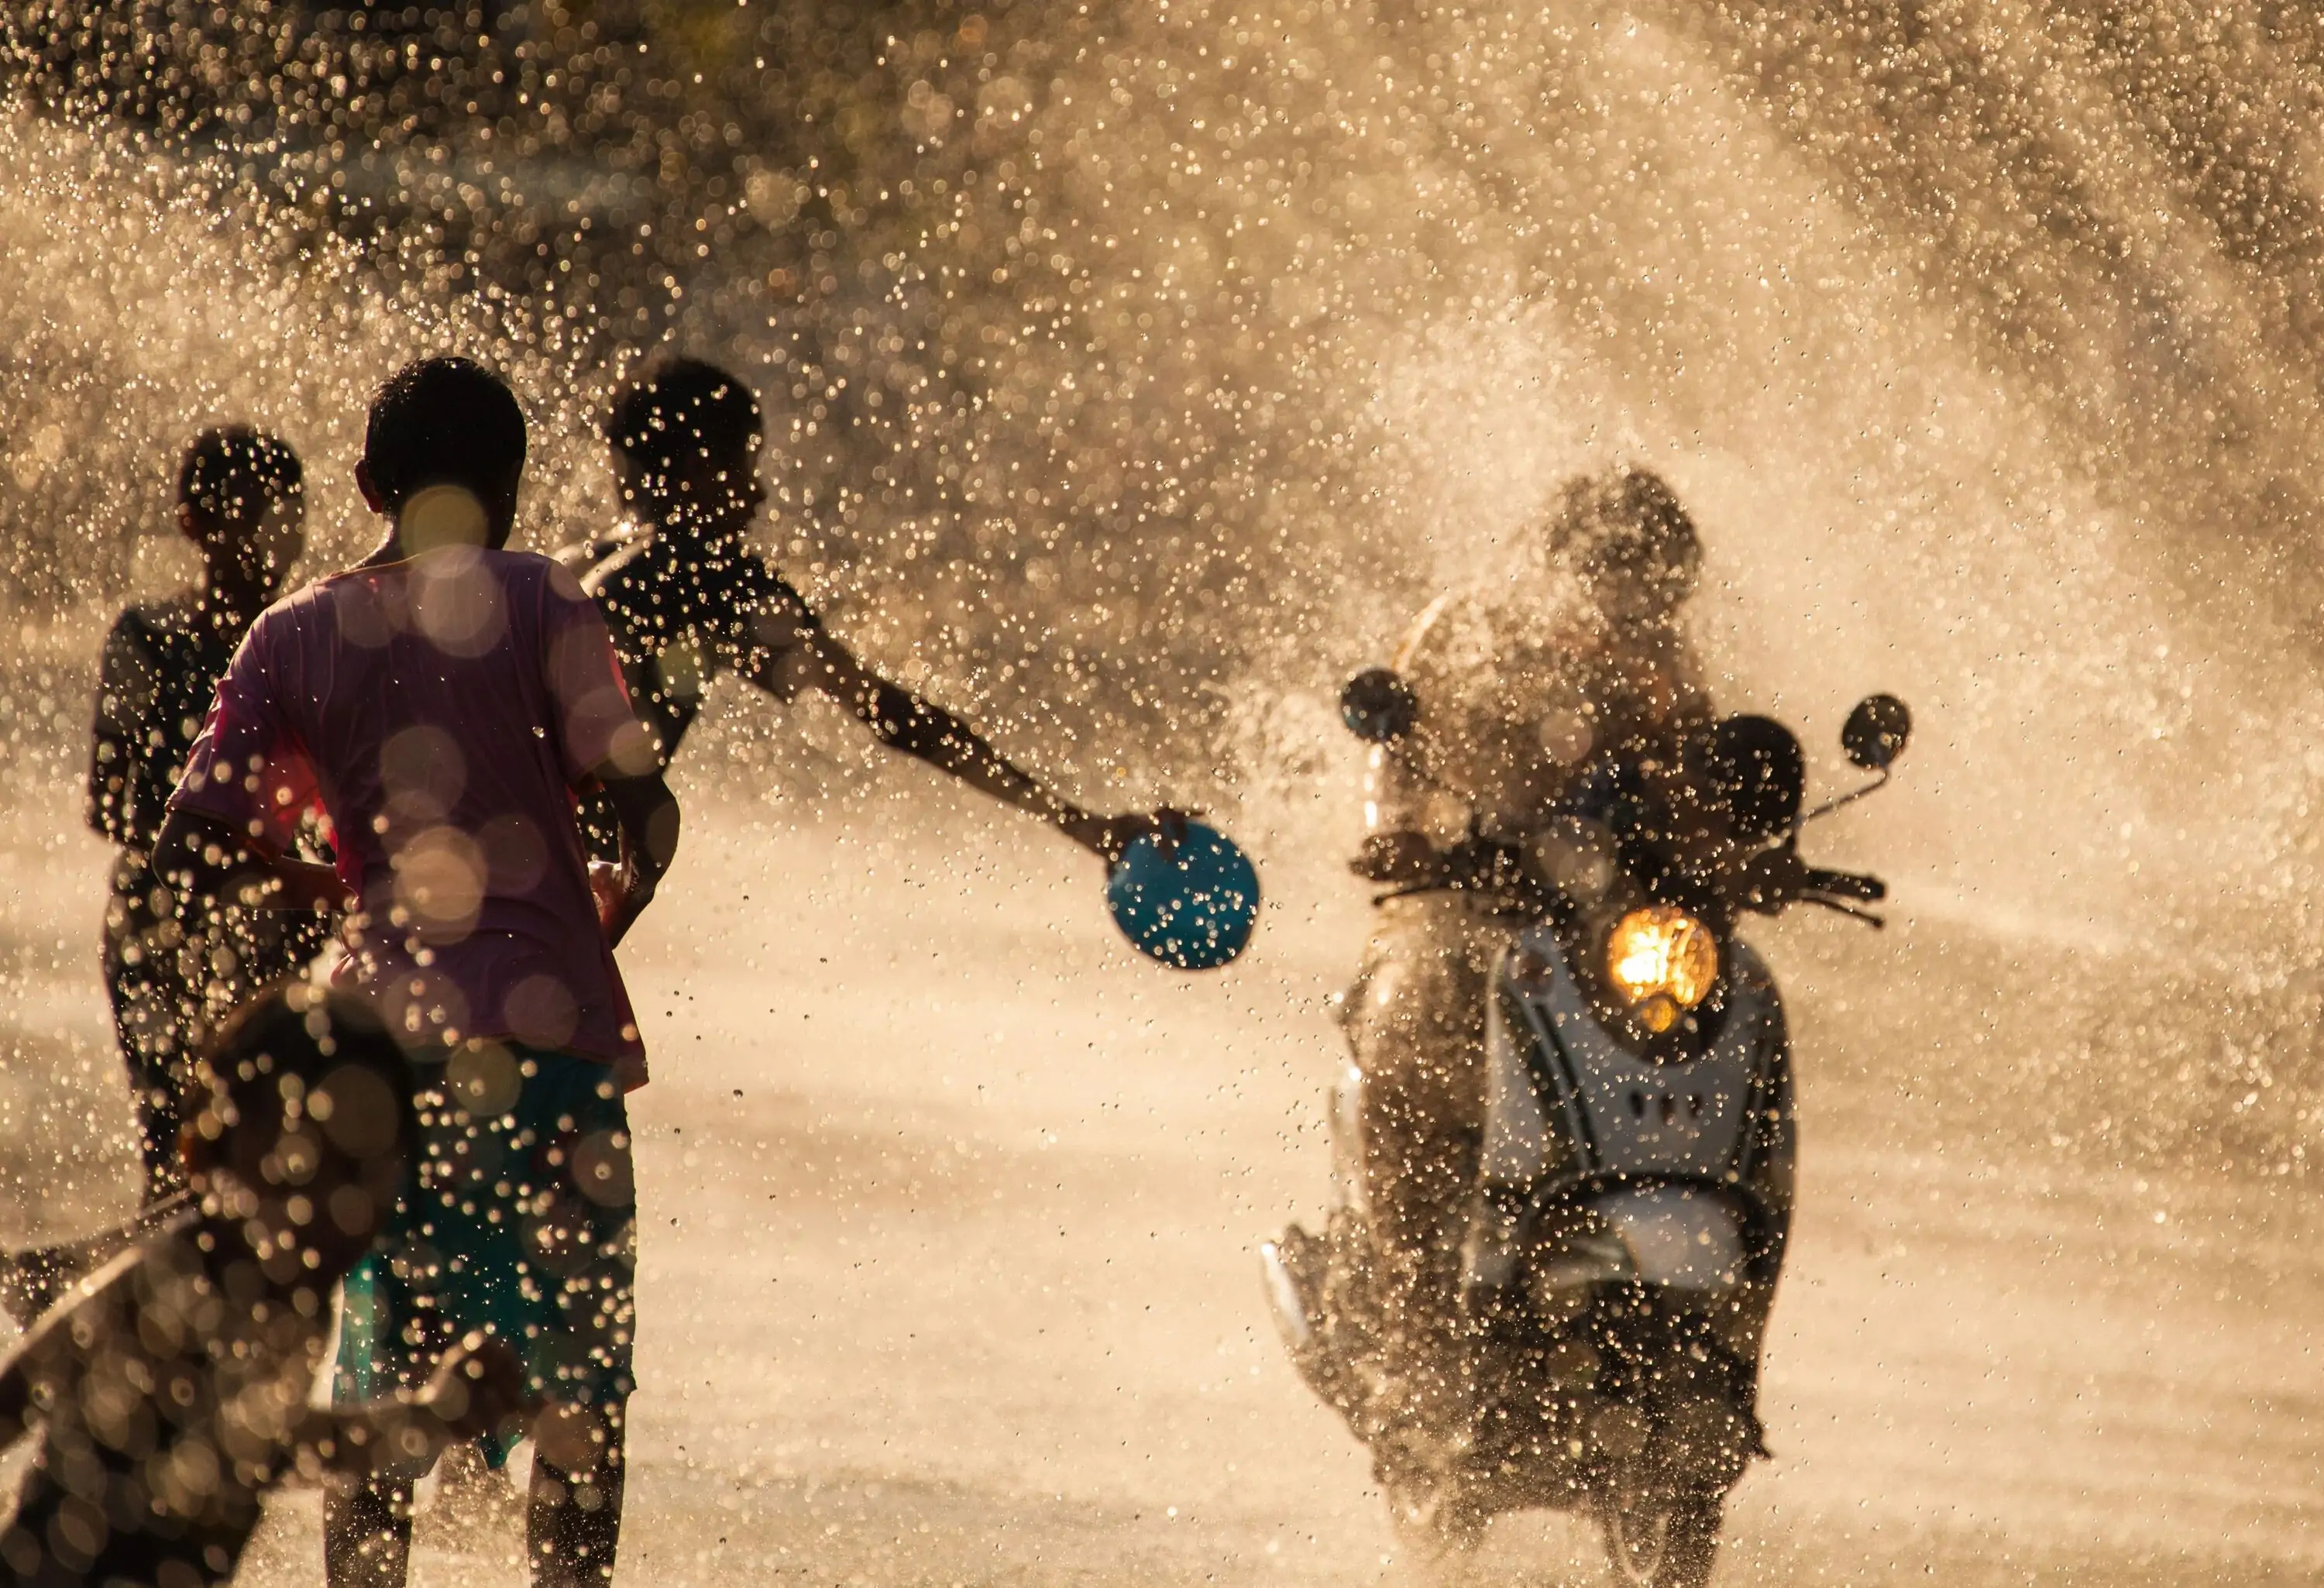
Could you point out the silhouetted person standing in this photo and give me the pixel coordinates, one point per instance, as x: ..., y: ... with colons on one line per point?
x: 686, y: 599
x: 240, y: 502
x: 448, y: 699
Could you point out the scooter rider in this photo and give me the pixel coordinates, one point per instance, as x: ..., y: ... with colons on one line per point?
x: 1520, y: 687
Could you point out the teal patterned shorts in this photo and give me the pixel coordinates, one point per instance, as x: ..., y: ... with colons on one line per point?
x: 522, y: 1224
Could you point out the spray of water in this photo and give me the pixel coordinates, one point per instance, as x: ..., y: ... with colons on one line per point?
x: 1136, y: 371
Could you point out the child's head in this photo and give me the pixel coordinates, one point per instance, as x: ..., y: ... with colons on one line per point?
x: 242, y: 499
x: 443, y: 455
x: 686, y: 443
x: 303, y: 1134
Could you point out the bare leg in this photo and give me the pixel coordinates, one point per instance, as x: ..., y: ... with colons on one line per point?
x: 153, y: 1017
x: 573, y: 1521
x: 367, y: 1534
x: 1418, y: 1036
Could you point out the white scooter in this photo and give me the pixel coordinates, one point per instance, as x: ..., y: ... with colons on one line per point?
x: 1626, y: 1231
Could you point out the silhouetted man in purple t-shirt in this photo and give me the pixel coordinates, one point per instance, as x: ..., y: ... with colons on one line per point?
x: 449, y: 700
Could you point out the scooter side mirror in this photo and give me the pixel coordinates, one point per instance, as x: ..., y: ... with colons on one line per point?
x: 1379, y: 707
x: 1876, y: 731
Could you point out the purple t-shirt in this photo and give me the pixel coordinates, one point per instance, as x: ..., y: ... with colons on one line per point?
x: 445, y: 711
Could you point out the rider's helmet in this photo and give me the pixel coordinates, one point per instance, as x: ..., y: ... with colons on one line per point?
x: 1624, y: 534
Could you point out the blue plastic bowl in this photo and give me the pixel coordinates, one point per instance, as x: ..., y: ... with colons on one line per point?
x: 1193, y: 908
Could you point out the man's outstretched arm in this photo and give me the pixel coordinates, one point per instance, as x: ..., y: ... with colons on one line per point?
x: 903, y: 721
x: 204, y: 862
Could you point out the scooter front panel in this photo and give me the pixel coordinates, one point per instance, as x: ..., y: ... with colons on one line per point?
x: 1684, y: 1118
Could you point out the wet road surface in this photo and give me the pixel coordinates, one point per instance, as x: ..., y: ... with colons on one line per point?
x: 949, y: 1209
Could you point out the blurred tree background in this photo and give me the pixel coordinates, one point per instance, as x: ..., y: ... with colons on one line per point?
x: 1005, y: 320
x: 1120, y: 353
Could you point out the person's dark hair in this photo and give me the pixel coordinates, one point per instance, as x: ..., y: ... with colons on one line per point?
x: 680, y: 409
x: 231, y: 473
x: 444, y: 422
x: 304, y: 1051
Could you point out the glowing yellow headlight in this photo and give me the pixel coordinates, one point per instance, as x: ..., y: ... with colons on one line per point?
x: 1664, y: 961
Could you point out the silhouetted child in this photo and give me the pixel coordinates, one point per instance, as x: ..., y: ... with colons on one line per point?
x: 169, y: 1389
x: 450, y: 699
x: 686, y: 599
x: 240, y: 503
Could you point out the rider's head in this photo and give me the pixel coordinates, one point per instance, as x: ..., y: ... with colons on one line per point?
x: 1625, y: 536
x: 686, y: 445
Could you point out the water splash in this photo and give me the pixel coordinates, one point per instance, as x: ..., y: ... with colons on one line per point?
x: 1136, y: 369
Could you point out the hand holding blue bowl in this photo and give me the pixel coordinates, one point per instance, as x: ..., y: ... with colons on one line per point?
x: 1185, y: 895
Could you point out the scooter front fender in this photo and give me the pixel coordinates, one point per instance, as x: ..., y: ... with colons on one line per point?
x: 1688, y: 1238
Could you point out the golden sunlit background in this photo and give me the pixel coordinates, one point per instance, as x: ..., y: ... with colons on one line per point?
x: 1136, y: 371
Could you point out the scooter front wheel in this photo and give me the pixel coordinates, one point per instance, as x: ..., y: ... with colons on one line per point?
x: 1661, y: 1540
x: 1435, y: 1522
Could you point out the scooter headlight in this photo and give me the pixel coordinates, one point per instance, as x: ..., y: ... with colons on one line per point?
x: 1663, y: 962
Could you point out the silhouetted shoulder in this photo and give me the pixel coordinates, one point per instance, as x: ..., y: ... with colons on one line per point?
x: 760, y: 592
x: 595, y: 558
x: 514, y: 567
x: 722, y: 599
x: 151, y: 628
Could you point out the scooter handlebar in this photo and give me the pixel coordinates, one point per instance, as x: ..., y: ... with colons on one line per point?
x: 1843, y: 884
